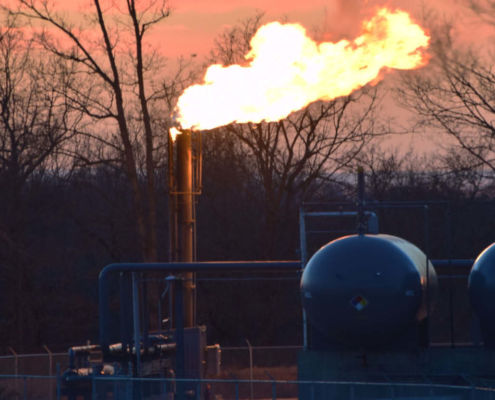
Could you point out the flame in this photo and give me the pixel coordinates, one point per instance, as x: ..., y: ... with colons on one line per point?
x: 287, y: 70
x: 173, y: 131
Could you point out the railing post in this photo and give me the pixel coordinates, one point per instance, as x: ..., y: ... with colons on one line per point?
x: 274, y: 390
x: 304, y: 256
x: 136, y: 320
x: 93, y: 388
x: 24, y: 390
x: 198, y: 390
x: 312, y: 391
x: 129, y: 384
x: 392, y: 391
x: 129, y: 387
x: 236, y: 390
x: 59, y: 382
x: 351, y: 392
x: 179, y: 339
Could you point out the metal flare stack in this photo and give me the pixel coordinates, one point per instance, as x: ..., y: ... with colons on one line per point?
x: 185, y: 184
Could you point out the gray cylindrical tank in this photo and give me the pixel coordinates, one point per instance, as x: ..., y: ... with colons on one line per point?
x: 481, y: 286
x: 365, y: 290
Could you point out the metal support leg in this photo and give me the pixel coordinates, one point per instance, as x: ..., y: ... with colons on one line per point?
x: 136, y: 319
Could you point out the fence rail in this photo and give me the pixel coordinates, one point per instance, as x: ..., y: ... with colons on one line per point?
x: 41, y: 387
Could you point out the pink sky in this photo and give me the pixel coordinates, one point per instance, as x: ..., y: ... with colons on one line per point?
x: 194, y: 24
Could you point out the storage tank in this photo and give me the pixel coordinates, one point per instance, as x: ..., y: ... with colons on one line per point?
x: 367, y: 290
x: 481, y: 287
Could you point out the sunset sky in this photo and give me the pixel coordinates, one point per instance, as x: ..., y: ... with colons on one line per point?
x: 194, y: 24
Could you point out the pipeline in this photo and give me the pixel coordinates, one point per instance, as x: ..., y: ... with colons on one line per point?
x: 174, y: 267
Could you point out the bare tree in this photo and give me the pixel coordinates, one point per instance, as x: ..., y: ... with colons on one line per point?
x: 113, y: 85
x: 232, y: 44
x: 36, y: 128
x: 389, y: 171
x: 483, y: 8
x: 292, y: 157
x: 455, y: 95
x: 36, y: 122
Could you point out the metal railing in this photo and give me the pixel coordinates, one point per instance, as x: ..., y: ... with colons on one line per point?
x: 36, y: 387
x: 126, y: 387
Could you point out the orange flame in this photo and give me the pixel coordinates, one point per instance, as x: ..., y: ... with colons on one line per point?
x: 287, y: 70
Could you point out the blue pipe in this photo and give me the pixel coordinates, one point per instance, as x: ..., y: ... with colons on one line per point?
x: 174, y: 267
x: 136, y: 322
x: 125, y: 310
x: 214, y: 266
x: 456, y: 263
x: 180, y: 359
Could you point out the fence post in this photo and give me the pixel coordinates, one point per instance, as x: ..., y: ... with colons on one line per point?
x: 50, y: 371
x: 236, y: 390
x: 16, y: 371
x: 250, y: 349
x: 50, y: 361
x: 16, y: 360
x: 351, y: 392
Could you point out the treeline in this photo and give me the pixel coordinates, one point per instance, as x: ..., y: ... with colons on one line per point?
x: 83, y: 170
x: 63, y: 231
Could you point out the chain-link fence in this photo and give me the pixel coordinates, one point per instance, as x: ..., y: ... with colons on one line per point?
x: 259, y: 356
x: 31, y: 376
x: 29, y: 387
x: 32, y: 364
